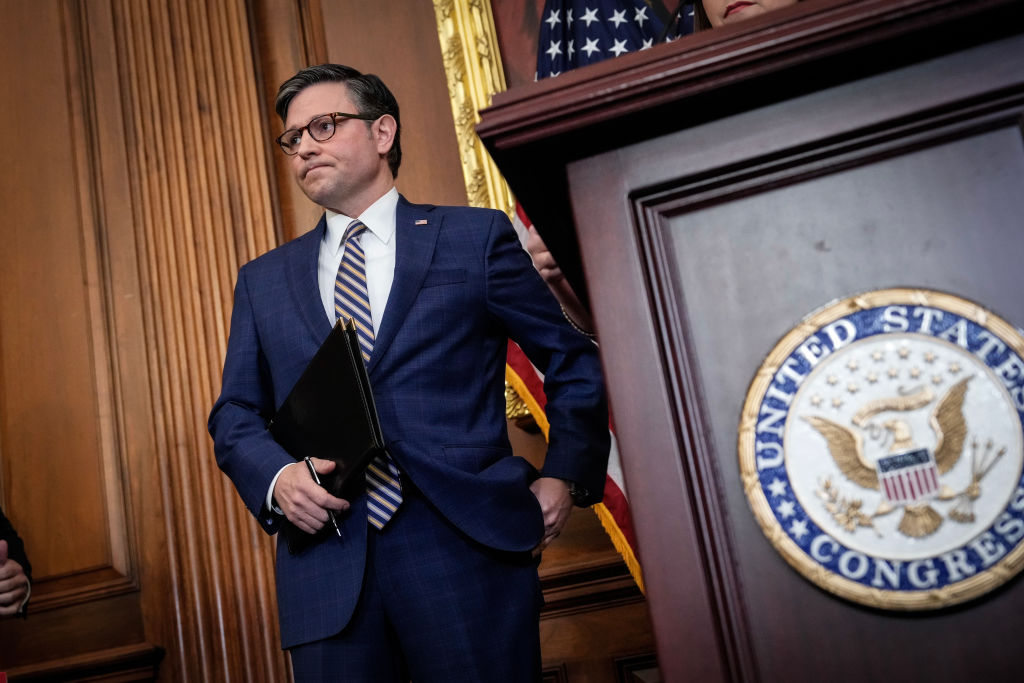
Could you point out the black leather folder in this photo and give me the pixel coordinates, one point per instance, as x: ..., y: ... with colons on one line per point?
x: 330, y: 414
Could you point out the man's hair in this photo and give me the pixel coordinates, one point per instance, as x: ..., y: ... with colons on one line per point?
x: 367, y: 91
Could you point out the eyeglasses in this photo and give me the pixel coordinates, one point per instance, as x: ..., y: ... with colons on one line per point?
x: 321, y: 128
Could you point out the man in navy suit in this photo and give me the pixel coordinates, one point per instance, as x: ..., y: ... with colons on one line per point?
x: 447, y: 588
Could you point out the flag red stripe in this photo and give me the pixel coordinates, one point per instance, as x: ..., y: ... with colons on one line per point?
x: 522, y: 366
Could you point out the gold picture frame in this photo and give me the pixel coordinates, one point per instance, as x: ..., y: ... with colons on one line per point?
x: 472, y: 65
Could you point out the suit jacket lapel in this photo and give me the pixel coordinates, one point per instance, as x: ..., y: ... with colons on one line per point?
x: 416, y: 229
x: 303, y: 263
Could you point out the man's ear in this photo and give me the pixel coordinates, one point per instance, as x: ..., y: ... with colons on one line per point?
x: 384, y: 133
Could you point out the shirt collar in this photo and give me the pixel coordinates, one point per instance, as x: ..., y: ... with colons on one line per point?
x: 379, y: 218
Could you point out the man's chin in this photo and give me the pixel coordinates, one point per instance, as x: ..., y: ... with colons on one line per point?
x: 318, y: 193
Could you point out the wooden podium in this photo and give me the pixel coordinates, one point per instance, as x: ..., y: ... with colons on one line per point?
x: 710, y: 194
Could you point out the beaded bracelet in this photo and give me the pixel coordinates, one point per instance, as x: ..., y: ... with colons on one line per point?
x: 575, y: 325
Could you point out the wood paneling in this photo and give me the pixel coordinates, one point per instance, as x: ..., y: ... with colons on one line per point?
x: 196, y: 154
x: 62, y: 418
x: 147, y: 182
x: 53, y: 391
x: 287, y: 36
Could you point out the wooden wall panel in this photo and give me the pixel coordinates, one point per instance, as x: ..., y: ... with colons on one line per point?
x: 287, y: 36
x: 148, y: 182
x: 196, y: 152
x: 63, y: 418
x: 49, y: 386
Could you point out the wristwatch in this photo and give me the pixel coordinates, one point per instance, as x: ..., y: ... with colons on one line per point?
x: 578, y: 493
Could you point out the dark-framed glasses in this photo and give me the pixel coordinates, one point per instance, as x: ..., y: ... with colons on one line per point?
x: 320, y: 128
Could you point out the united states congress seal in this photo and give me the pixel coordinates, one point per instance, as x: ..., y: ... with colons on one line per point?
x: 881, y: 449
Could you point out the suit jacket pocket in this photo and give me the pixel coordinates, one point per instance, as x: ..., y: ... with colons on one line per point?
x: 444, y: 276
x: 474, y: 459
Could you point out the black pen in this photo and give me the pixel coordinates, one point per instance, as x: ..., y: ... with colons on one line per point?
x: 330, y: 513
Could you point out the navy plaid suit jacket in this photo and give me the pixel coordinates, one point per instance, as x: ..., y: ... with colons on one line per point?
x: 463, y: 286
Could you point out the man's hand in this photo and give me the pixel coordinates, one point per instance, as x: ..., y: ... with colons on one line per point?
x: 13, y: 584
x: 545, y: 264
x: 555, y: 503
x: 304, y: 502
x: 543, y: 261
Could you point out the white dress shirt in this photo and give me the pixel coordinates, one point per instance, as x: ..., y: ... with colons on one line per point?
x: 378, y: 243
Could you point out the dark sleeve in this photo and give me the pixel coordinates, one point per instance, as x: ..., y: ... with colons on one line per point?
x: 15, y: 547
x: 576, y: 409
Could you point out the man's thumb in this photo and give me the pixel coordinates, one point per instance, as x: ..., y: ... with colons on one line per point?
x: 323, y: 466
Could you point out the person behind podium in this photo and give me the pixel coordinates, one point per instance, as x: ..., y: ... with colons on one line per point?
x: 708, y: 14
x: 15, y: 571
x: 443, y: 585
x: 715, y: 13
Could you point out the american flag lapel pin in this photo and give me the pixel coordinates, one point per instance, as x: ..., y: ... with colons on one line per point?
x: 422, y: 221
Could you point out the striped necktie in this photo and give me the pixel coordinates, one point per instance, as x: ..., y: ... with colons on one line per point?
x: 383, y: 488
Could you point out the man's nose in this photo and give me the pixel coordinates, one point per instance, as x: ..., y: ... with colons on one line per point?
x: 307, y: 144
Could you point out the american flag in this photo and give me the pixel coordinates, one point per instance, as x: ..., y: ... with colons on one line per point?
x: 575, y: 33
x: 908, y: 477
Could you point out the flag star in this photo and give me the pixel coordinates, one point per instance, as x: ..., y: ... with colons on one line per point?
x: 816, y: 400
x: 553, y: 19
x: 837, y: 403
x: 568, y: 18
x: 555, y: 73
x: 872, y: 378
x: 777, y: 487
x: 915, y: 372
x: 618, y: 17
x: 954, y: 368
x: 878, y: 356
x: 785, y: 509
x: 590, y: 16
x: 647, y: 44
x: 853, y: 365
x: 798, y: 529
x: 641, y: 16
x: 929, y: 357
x: 832, y: 380
x: 619, y: 47
x: 555, y: 49
x: 893, y: 373
x: 936, y: 379
x: 572, y: 48
x: 852, y: 387
x: 904, y: 352
x: 591, y: 47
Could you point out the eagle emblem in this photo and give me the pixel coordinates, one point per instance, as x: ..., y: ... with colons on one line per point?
x: 846, y: 446
x: 881, y: 447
